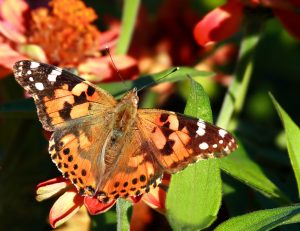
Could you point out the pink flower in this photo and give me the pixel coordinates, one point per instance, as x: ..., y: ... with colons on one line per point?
x: 12, y: 31
x: 224, y: 21
x: 62, y: 34
x: 69, y: 201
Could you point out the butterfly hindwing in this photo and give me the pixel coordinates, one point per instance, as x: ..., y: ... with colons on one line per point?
x: 134, y: 172
x: 76, y: 149
x: 180, y: 140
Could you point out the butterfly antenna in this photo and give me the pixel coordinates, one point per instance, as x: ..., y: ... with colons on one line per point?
x: 166, y: 75
x: 114, y: 66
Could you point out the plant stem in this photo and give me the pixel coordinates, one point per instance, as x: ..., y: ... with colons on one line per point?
x: 235, y: 96
x: 130, y: 10
x: 124, y: 209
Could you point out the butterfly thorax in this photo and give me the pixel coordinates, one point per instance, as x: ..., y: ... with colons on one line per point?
x: 125, y: 113
x: 122, y: 123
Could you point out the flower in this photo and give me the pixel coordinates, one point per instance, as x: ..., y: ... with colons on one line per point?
x: 225, y: 21
x: 62, y: 34
x: 70, y: 201
x: 175, y: 46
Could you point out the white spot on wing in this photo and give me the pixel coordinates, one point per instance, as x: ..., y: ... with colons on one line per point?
x: 203, y: 146
x: 52, y: 78
x: 29, y: 72
x: 30, y: 79
x: 39, y: 86
x: 56, y: 72
x: 221, y: 141
x: 201, y: 124
x: 34, y: 65
x: 200, y: 131
x: 222, y: 133
x: 215, y: 146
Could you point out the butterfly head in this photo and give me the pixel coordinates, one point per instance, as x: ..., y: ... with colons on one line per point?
x: 131, y: 98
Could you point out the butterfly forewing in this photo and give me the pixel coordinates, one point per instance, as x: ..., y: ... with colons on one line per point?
x: 59, y: 95
x: 179, y: 140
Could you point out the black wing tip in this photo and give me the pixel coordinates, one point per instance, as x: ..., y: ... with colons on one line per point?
x: 21, y: 63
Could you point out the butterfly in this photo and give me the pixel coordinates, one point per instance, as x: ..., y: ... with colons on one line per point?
x: 109, y: 148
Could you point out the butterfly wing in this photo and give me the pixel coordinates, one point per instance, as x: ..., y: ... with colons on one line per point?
x: 59, y: 95
x: 77, y: 112
x: 178, y: 140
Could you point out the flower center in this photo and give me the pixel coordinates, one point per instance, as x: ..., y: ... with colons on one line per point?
x: 64, y: 31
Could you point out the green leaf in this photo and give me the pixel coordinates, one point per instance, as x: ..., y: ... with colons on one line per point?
x: 104, y: 222
x: 240, y: 166
x: 263, y: 219
x: 124, y: 210
x: 117, y: 89
x: 236, y: 94
x: 194, y: 196
x: 130, y: 11
x: 292, y: 138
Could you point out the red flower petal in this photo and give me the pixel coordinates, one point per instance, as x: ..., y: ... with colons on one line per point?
x: 109, y: 38
x: 95, y: 206
x: 7, y: 30
x: 136, y: 199
x: 51, y: 187
x: 101, y: 69
x: 65, y: 207
x: 4, y: 72
x: 219, y: 24
x: 156, y: 198
x: 8, y: 56
x: 52, y: 181
x: 290, y: 19
x: 279, y: 4
x: 13, y: 11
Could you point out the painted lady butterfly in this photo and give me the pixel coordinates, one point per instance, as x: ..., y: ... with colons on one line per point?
x: 111, y: 149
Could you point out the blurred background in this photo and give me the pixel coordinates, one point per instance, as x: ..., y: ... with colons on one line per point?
x: 163, y: 38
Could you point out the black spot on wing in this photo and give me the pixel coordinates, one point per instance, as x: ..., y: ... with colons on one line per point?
x: 90, y: 91
x: 166, y: 131
x: 168, y: 147
x: 65, y: 112
x: 163, y: 117
x: 80, y: 99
